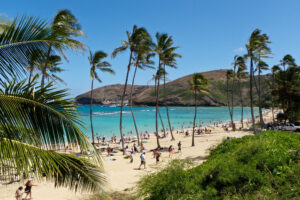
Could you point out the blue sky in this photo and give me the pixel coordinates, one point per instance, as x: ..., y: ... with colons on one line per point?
x: 210, y: 33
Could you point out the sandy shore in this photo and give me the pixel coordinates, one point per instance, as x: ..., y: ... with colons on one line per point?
x: 121, y: 174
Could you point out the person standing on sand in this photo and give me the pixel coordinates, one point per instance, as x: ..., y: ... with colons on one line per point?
x: 131, y: 157
x: 143, y: 160
x: 171, y: 149
x: 179, y: 146
x: 28, y: 187
x: 157, y: 156
x: 19, y: 193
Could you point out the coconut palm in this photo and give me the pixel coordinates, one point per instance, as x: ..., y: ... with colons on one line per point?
x: 169, y: 59
x: 49, y: 73
x: 134, y: 39
x: 286, y: 88
x: 230, y: 74
x: 256, y: 49
x: 97, y: 63
x: 63, y: 29
x: 197, y: 84
x: 241, y: 74
x: 158, y: 76
x: 34, y: 59
x: 259, y: 67
x: 166, y: 57
x: 275, y: 69
x: 32, y: 122
x: 141, y: 61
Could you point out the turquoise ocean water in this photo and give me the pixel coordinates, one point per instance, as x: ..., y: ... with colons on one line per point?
x: 106, y: 119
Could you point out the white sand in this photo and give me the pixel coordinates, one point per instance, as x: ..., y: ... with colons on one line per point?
x: 122, y: 175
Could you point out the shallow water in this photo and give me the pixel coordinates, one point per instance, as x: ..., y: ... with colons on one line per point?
x: 106, y: 119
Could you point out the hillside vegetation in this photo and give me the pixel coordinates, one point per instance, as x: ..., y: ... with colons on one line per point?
x: 264, y: 166
x: 177, y: 92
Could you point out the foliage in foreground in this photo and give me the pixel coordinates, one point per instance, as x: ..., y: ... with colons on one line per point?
x: 264, y: 166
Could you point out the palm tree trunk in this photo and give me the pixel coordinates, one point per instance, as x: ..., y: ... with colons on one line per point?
x: 261, y: 120
x: 251, y: 95
x: 162, y: 123
x: 193, y: 135
x: 132, y: 113
x: 242, y: 103
x: 228, y: 102
x: 122, y: 101
x: 45, y: 66
x: 156, y: 113
x: 167, y: 108
x: 91, y: 113
x: 272, y: 98
x: 232, y: 88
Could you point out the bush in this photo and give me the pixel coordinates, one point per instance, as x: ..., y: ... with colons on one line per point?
x: 264, y: 166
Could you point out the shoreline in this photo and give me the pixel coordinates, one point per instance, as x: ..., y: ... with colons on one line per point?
x: 122, y: 175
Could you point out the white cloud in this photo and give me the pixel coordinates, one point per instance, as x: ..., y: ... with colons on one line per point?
x: 238, y: 50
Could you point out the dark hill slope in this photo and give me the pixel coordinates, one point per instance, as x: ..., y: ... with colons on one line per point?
x: 176, y: 93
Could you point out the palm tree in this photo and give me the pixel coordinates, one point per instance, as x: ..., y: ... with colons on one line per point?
x: 256, y: 49
x: 134, y: 39
x: 158, y: 76
x: 33, y: 62
x: 141, y: 61
x: 286, y: 87
x: 167, y: 57
x: 230, y: 75
x: 197, y: 84
x: 259, y: 67
x: 96, y: 62
x: 52, y: 68
x: 275, y: 69
x: 241, y: 74
x: 63, y: 29
x: 31, y: 124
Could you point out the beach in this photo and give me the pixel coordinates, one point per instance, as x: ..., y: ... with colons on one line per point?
x: 122, y: 175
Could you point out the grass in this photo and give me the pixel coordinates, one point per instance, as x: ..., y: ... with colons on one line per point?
x: 264, y: 166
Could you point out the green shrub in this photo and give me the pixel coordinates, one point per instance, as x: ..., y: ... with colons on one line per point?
x: 264, y: 166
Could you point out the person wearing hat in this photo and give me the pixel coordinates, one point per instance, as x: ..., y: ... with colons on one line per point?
x: 28, y: 185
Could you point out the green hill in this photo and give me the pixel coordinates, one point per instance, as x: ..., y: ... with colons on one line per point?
x: 264, y: 166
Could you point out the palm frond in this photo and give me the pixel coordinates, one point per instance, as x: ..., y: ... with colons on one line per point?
x: 49, y: 117
x: 21, y: 38
x: 64, y: 170
x: 118, y: 50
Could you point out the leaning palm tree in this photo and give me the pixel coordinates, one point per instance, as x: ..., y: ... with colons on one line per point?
x: 35, y: 121
x: 96, y: 62
x: 256, y: 49
x: 197, y: 84
x: 134, y: 39
x: 167, y: 57
x: 142, y: 60
x: 275, y: 69
x: 230, y: 75
x: 49, y: 73
x: 241, y: 74
x: 259, y: 67
x: 157, y: 78
x: 63, y: 29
